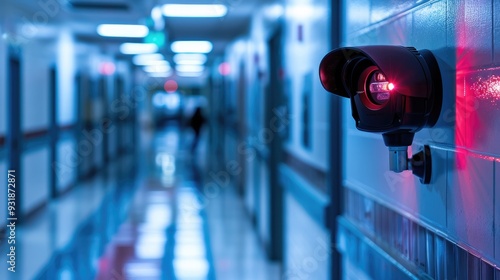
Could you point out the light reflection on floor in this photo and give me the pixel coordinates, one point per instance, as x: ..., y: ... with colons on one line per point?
x: 144, y: 218
x: 165, y: 243
x: 153, y: 238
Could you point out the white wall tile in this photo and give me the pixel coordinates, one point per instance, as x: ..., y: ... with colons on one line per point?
x: 367, y: 170
x: 470, y: 201
x: 357, y: 15
x: 429, y: 25
x: 383, y: 9
x: 482, y: 111
x: 470, y: 32
x: 396, y: 32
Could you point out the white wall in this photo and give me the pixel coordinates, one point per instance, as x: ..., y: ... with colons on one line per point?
x: 35, y: 178
x: 66, y: 113
x: 36, y: 59
x: 307, y: 251
x: 67, y: 163
x: 306, y: 40
x: 462, y: 196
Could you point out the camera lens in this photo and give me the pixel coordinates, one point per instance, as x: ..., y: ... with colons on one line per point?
x: 378, y: 88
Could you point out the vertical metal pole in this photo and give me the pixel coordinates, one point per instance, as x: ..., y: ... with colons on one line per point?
x: 14, y: 136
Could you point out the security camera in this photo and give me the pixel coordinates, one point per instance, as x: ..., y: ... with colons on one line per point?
x: 394, y: 90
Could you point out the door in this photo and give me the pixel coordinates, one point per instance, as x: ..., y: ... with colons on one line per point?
x: 14, y: 137
x: 273, y: 101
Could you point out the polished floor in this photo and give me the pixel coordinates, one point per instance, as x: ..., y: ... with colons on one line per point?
x: 145, y: 217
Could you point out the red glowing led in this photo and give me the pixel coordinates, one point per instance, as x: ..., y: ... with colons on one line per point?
x: 224, y: 68
x: 107, y: 68
x: 170, y: 86
x: 390, y: 86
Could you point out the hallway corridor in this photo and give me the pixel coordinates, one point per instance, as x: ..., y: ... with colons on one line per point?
x: 143, y: 218
x: 249, y: 139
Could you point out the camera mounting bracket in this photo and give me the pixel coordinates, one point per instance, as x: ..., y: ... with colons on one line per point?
x: 420, y: 163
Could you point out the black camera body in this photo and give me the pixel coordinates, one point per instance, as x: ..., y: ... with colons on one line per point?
x: 394, y: 90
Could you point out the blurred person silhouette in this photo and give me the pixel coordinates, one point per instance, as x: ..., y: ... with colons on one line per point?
x: 196, y: 122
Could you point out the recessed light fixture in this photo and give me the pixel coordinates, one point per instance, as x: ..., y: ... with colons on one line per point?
x: 194, y: 10
x: 190, y: 58
x: 160, y: 74
x: 122, y: 30
x: 138, y: 48
x: 189, y: 68
x: 157, y: 68
x: 191, y: 47
x: 146, y: 59
x: 154, y: 63
x: 190, y: 74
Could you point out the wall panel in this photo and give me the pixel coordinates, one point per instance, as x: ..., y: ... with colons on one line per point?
x: 67, y: 163
x: 35, y: 178
x: 306, y: 251
x: 35, y: 64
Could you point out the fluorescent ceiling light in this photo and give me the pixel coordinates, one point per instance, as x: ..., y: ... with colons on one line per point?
x: 190, y: 74
x: 189, y: 68
x: 160, y: 75
x: 155, y: 62
x: 122, y: 30
x: 191, y: 47
x: 145, y: 59
x: 189, y: 62
x: 157, y: 68
x: 194, y: 10
x: 138, y: 48
x: 190, y: 58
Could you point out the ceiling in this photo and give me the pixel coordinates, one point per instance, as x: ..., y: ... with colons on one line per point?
x: 83, y: 16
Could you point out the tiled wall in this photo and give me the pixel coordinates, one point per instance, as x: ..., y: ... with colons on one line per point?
x: 420, y: 250
x: 461, y: 201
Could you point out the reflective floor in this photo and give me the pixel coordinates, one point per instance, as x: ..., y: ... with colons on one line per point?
x: 143, y: 218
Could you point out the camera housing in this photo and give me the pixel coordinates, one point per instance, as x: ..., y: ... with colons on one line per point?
x: 394, y: 90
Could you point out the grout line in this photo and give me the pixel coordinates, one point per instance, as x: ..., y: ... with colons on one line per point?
x: 372, y: 26
x: 494, y: 211
x: 447, y: 190
x: 493, y: 32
